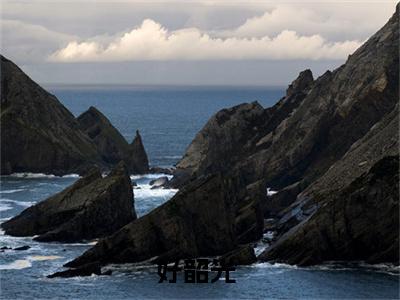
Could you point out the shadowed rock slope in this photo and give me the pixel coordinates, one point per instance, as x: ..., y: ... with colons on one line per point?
x: 92, y: 207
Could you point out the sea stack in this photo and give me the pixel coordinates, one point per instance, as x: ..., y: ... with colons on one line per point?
x: 92, y: 207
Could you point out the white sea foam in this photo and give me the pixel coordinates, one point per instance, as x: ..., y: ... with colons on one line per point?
x: 145, y: 191
x: 4, y: 207
x: 16, y: 265
x: 20, y: 203
x: 274, y: 265
x: 11, y: 191
x: 43, y: 257
x: 150, y: 176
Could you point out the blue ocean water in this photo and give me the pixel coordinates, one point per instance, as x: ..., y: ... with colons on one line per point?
x: 168, y: 118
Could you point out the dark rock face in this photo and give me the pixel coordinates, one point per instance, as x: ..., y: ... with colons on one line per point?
x: 111, y: 145
x: 361, y: 222
x: 137, y: 157
x: 229, y: 127
x: 38, y: 133
x: 202, y: 219
x: 243, y: 255
x: 92, y: 207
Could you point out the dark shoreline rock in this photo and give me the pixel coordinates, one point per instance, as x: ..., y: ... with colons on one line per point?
x: 243, y: 255
x: 359, y: 223
x: 92, y: 207
x: 207, y: 217
x: 86, y: 270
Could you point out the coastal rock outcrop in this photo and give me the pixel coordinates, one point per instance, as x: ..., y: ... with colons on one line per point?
x: 92, y: 207
x: 207, y: 217
x: 40, y: 135
x: 111, y: 145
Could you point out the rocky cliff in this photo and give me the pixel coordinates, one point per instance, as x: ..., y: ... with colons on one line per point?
x: 329, y: 147
x: 92, y: 207
x: 40, y: 135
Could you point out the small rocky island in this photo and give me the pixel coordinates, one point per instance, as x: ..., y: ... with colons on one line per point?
x: 329, y: 149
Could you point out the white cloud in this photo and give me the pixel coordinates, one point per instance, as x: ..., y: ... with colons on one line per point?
x: 151, y: 41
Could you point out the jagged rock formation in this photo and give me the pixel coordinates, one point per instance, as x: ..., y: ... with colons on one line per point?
x: 316, y: 140
x: 38, y: 133
x: 92, y: 207
x: 111, y: 145
x: 322, y: 136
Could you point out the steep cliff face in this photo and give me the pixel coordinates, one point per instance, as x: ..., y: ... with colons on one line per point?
x: 92, y: 207
x: 38, y: 134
